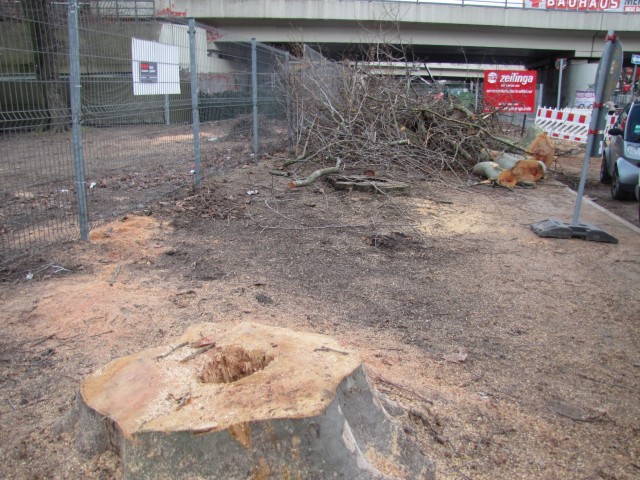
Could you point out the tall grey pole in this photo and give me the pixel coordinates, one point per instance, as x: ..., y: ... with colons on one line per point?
x: 254, y: 97
x: 76, y: 113
x: 194, y: 101
x: 560, y: 83
x: 595, y: 120
x: 167, y: 114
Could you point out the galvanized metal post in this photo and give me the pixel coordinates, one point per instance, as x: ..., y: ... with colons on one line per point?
x: 194, y: 102
x: 254, y: 97
x: 167, y: 112
x: 76, y: 113
x: 560, y: 83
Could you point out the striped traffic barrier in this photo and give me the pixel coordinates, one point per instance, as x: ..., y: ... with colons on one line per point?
x: 568, y: 124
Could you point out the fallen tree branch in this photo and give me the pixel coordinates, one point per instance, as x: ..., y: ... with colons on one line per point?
x: 305, y: 182
x: 376, y: 122
x: 293, y: 161
x: 497, y: 138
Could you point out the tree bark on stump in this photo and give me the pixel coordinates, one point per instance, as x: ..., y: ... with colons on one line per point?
x: 248, y: 402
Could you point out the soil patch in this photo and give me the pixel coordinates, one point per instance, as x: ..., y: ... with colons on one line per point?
x: 504, y: 354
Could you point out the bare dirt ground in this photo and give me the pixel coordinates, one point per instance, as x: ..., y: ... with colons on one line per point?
x: 514, y: 356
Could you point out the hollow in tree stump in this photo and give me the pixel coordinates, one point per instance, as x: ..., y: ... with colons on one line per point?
x: 248, y: 402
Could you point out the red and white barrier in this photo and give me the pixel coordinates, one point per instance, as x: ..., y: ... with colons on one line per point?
x: 568, y: 124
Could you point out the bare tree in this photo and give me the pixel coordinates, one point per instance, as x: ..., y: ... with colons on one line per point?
x: 47, y: 53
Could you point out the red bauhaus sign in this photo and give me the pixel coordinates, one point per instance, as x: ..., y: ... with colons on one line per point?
x: 510, y: 90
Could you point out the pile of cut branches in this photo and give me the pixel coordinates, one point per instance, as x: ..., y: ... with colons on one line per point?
x: 382, y: 122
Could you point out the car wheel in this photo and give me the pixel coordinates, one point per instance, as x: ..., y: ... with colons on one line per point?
x: 604, y: 174
x: 616, y: 189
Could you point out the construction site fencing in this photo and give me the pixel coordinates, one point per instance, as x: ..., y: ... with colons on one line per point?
x: 105, y: 108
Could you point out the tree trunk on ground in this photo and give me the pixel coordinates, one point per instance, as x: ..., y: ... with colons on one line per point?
x: 251, y: 402
x: 46, y: 49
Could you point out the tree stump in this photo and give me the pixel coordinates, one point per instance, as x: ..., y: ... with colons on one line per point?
x: 248, y: 402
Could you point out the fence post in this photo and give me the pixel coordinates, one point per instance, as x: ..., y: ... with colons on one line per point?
x: 194, y: 101
x: 562, y: 60
x: 540, y: 99
x: 76, y: 112
x: 254, y: 97
x: 167, y: 111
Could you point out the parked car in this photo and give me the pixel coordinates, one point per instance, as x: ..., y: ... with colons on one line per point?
x: 638, y: 196
x: 621, y: 154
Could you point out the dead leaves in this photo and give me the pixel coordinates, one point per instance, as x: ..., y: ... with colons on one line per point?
x: 209, y: 204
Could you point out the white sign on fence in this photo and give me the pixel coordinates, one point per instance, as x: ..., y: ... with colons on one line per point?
x: 155, y: 67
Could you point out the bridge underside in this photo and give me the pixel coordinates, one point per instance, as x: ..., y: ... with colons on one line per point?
x: 445, y: 53
x: 532, y: 48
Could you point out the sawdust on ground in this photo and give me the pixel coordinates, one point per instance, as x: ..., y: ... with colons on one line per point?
x: 513, y: 356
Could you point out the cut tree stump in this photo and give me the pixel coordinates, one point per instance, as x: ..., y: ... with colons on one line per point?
x: 246, y: 402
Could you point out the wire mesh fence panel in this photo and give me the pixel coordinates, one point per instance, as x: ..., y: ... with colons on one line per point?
x: 163, y: 102
x: 36, y: 171
x: 136, y: 110
x: 273, y: 103
x: 226, y: 102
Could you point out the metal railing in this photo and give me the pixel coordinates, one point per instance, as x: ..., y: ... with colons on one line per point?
x: 104, y: 110
x: 607, y: 6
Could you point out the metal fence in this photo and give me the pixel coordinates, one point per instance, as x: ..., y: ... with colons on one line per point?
x: 105, y: 107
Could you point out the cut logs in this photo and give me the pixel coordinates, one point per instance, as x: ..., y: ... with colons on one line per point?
x: 248, y: 401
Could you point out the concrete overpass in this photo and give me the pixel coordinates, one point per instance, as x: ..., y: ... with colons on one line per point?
x: 478, y: 31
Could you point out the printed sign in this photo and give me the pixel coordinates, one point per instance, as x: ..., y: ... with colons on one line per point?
x: 561, y: 62
x: 585, y: 98
x: 631, y: 6
x: 149, y: 72
x: 510, y: 90
x: 635, y: 58
x: 155, y: 68
x: 586, y: 5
